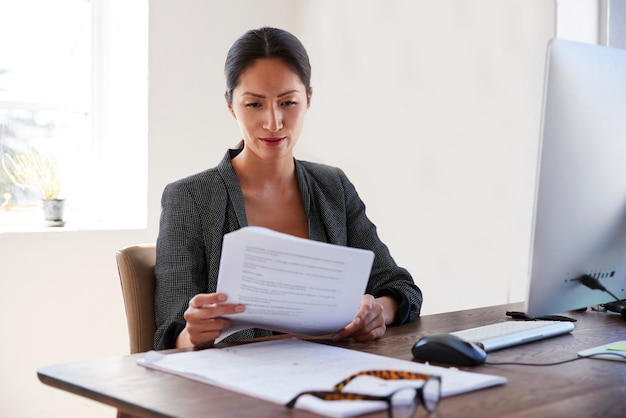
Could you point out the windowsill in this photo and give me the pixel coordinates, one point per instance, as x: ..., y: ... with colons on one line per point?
x: 30, y: 220
x: 69, y: 227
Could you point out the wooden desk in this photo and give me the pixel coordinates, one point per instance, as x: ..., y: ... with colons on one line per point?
x: 584, y: 388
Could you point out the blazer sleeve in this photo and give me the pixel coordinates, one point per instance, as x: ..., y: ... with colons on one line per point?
x: 180, y: 262
x: 387, y: 278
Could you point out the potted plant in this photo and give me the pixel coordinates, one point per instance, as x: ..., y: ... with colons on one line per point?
x: 38, y: 171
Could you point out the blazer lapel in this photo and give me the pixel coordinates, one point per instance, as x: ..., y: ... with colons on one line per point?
x: 225, y: 168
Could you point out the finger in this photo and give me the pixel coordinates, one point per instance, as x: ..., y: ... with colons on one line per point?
x: 370, y: 331
x: 208, y: 326
x: 348, y: 330
x: 353, y: 328
x: 367, y: 303
x: 206, y: 299
x: 372, y: 334
x: 371, y: 325
x: 203, y: 334
x: 208, y: 312
x: 345, y: 332
x: 204, y: 339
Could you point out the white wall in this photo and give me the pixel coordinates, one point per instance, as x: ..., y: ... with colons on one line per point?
x: 432, y: 108
x: 582, y: 20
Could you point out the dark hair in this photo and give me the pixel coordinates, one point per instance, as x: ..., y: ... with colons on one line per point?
x: 265, y: 42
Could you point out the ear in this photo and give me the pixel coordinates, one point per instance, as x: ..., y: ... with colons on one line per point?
x: 229, y: 105
x: 308, y: 97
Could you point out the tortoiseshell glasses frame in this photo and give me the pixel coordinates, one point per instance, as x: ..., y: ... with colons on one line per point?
x: 428, y: 394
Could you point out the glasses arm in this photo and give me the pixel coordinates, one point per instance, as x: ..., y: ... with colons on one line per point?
x: 383, y: 374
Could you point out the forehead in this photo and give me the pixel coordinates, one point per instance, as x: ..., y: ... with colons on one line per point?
x: 269, y: 76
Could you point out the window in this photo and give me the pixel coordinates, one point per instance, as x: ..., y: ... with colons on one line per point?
x: 73, y: 83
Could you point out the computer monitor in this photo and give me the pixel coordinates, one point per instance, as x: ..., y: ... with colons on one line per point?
x: 579, y: 225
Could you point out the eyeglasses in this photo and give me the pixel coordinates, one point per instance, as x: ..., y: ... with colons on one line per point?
x: 401, y: 403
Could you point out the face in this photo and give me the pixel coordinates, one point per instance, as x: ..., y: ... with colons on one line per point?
x: 269, y: 105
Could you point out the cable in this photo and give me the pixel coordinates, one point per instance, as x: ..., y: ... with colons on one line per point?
x: 513, y: 363
x: 593, y: 283
x: 555, y: 363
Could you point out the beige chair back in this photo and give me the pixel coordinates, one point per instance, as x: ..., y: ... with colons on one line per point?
x: 135, y: 264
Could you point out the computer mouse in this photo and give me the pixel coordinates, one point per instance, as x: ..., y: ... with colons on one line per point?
x: 448, y: 349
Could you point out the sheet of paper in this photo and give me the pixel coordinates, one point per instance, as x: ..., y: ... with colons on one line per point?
x: 278, y: 370
x: 290, y: 284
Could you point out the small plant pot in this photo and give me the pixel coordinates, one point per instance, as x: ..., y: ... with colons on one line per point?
x: 53, y: 210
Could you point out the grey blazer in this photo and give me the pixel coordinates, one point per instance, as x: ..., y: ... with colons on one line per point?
x: 198, y: 210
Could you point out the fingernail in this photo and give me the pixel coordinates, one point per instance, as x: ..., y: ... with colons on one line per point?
x: 336, y: 337
x: 240, y: 308
x: 221, y: 297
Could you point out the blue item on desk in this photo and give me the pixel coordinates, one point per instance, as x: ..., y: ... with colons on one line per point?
x: 448, y: 349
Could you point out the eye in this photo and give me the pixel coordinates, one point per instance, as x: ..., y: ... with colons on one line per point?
x: 289, y: 103
x: 253, y: 105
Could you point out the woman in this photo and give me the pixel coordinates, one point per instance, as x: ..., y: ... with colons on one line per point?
x: 268, y: 93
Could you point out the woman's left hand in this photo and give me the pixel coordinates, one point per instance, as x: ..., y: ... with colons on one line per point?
x: 371, y: 319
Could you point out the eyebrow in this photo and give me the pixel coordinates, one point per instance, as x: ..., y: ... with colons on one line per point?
x: 260, y: 96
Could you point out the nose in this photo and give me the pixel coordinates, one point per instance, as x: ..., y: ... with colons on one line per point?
x: 273, y: 120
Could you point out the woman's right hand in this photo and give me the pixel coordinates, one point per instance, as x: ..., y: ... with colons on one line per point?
x: 205, y: 320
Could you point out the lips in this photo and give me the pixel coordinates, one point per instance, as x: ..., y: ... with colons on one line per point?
x: 272, y: 142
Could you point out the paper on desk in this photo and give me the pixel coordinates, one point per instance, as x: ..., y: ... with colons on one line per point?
x: 290, y: 284
x: 278, y: 370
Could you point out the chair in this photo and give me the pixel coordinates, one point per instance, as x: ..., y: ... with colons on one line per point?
x: 135, y: 265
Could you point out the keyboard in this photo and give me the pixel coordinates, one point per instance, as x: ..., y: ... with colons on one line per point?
x: 510, y: 333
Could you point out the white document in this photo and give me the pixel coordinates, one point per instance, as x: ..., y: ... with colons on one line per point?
x: 291, y: 284
x: 279, y: 370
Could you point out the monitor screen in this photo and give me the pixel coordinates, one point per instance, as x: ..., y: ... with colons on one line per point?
x: 579, y: 224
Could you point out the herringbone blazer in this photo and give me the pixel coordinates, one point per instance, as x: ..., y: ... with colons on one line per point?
x: 198, y: 210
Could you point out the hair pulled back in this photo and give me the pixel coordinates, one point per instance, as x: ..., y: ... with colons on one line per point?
x: 265, y: 42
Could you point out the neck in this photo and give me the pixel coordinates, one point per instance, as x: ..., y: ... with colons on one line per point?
x: 252, y: 170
